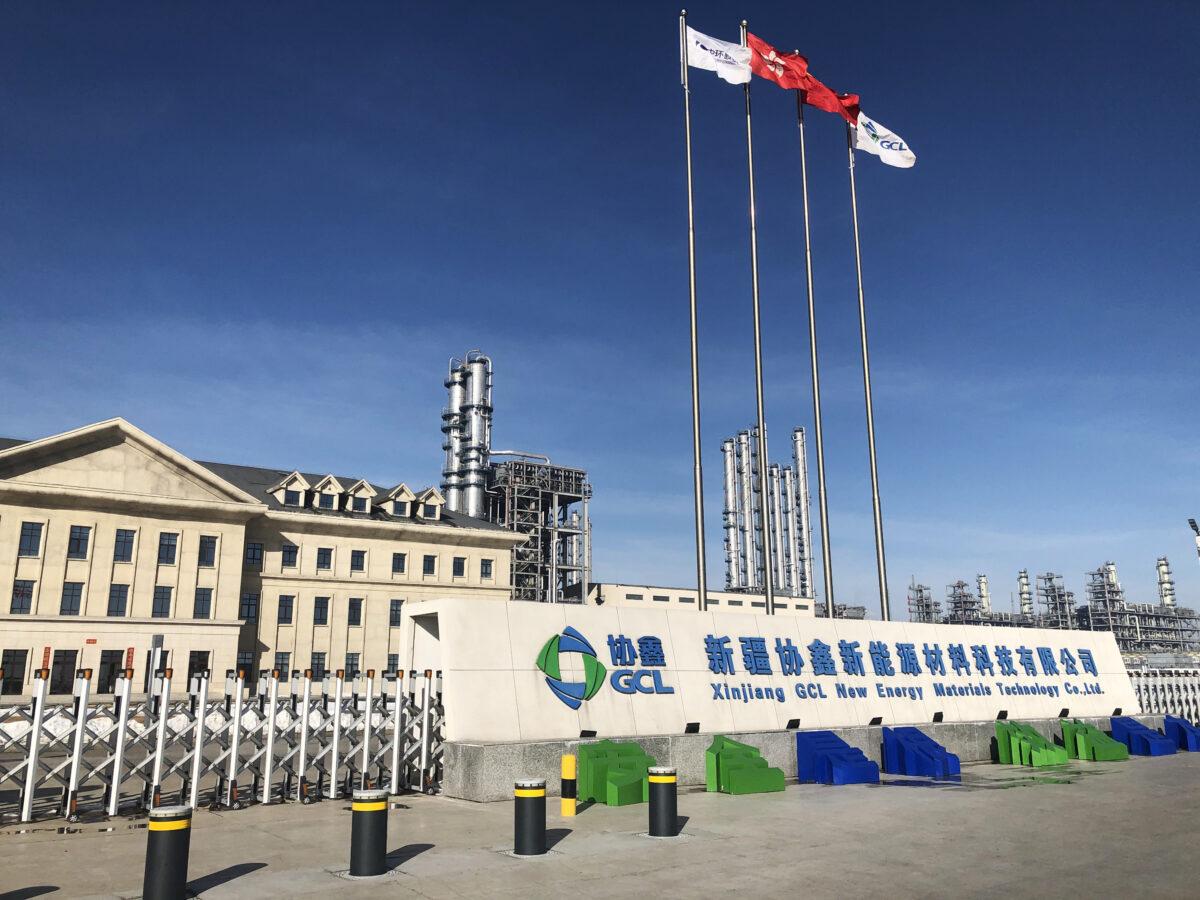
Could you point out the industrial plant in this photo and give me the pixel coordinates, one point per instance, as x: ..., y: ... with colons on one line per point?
x: 524, y: 492
x: 1161, y: 630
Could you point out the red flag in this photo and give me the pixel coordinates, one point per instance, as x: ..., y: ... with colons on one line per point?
x: 790, y: 71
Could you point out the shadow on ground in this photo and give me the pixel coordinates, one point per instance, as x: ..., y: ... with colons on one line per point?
x: 223, y: 876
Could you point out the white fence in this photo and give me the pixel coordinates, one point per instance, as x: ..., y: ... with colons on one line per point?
x: 1174, y: 692
x: 320, y: 739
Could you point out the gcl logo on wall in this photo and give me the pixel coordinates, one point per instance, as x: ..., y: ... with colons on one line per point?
x: 625, y: 655
x: 572, y: 693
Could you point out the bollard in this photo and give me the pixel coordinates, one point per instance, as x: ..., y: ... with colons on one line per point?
x: 529, y: 817
x: 170, y: 838
x: 664, y: 821
x: 569, y: 785
x: 368, y: 832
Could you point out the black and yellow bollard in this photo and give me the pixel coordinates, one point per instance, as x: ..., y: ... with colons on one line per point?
x: 368, y: 832
x: 570, y: 789
x: 167, y: 846
x: 529, y: 817
x: 664, y: 818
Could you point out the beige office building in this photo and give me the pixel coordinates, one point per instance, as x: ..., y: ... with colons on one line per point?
x: 113, y: 544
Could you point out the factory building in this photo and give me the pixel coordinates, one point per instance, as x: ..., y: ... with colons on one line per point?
x: 546, y: 504
x: 116, y: 549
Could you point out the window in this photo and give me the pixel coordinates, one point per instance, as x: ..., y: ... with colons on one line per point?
x: 460, y: 566
x: 208, y: 551
x: 354, y: 611
x: 22, y: 598
x: 393, y: 662
x: 112, y: 662
x: 197, y: 664
x: 429, y: 510
x: 395, y: 613
x: 429, y: 565
x: 325, y: 501
x: 167, y: 542
x: 399, y: 563
x: 283, y: 663
x: 358, y: 504
x: 289, y: 555
x: 72, y: 598
x: 123, y: 548
x: 291, y: 498
x: 13, y: 664
x: 485, y: 568
x: 118, y: 600
x: 245, y: 662
x: 321, y: 611
x: 317, y: 664
x: 358, y: 560
x: 31, y: 539
x: 77, y: 544
x: 660, y: 598
x: 202, y: 608
x: 399, y: 508
x: 324, y: 558
x: 687, y: 599
x: 253, y: 555
x: 162, y: 603
x: 286, y: 602
x: 633, y: 596
x: 352, y: 664
x: 248, y: 608
x: 735, y: 602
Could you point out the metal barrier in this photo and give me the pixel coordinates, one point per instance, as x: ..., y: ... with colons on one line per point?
x: 318, y: 739
x: 1173, y: 692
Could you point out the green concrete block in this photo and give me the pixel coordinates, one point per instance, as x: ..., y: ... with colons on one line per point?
x: 1073, y: 739
x: 626, y: 786
x: 1003, y: 743
x: 736, y: 768
x: 1094, y: 744
x: 608, y: 768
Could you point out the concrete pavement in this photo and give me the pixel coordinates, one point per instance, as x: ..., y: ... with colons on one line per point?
x: 1112, y: 828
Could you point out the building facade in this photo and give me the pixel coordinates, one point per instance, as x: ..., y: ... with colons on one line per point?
x: 113, y: 546
x: 650, y: 597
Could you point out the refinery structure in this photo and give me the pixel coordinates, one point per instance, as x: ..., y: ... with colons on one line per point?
x: 523, y: 492
x: 1141, y: 629
x: 789, y: 540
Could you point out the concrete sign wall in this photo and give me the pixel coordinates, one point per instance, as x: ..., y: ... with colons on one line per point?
x: 525, y: 671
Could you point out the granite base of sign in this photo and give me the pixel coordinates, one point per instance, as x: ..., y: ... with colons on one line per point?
x: 735, y: 768
x: 909, y: 751
x: 485, y: 771
x: 1185, y: 735
x: 1139, y: 739
x: 1083, y: 741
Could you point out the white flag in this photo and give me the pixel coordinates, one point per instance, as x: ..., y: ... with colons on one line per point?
x: 888, y: 146
x: 731, y: 62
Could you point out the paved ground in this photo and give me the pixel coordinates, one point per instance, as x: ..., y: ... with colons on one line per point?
x: 1100, y: 829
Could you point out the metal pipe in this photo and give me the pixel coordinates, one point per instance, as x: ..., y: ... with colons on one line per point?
x: 880, y: 559
x: 826, y: 558
x: 776, y: 500
x: 697, y: 470
x: 729, y: 514
x: 765, y: 525
x: 749, y: 571
x: 802, y: 504
x: 520, y: 453
x: 791, y: 522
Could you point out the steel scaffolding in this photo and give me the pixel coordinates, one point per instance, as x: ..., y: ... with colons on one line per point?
x: 921, y: 605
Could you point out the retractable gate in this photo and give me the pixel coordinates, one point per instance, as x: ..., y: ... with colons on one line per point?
x: 276, y: 740
x: 1173, y: 692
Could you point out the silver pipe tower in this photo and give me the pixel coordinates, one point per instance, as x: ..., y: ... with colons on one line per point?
x: 729, y: 516
x: 1025, y: 592
x: 1166, y: 583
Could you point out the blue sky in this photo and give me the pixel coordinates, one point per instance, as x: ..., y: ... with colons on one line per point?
x: 259, y: 232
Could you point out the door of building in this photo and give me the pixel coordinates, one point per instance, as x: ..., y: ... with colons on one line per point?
x: 111, y: 664
x: 62, y: 671
x: 13, y: 663
x: 197, y: 663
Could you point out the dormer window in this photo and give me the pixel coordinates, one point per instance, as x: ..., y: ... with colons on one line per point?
x: 429, y: 510
x: 358, y: 504
x: 429, y: 504
x: 400, y: 509
x: 291, y: 498
x: 325, y: 501
x: 359, y: 496
x: 290, y: 491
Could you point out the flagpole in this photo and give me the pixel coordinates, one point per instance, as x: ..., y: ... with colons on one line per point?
x: 697, y: 472
x: 764, y: 522
x: 880, y: 561
x: 826, y: 562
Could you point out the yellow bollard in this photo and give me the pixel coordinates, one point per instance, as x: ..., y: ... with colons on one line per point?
x: 569, y: 785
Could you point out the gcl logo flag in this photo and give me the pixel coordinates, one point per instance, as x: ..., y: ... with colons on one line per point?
x: 572, y: 693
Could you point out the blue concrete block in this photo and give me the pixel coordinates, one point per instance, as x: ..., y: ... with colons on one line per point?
x: 823, y: 757
x: 1182, y: 733
x: 909, y: 751
x: 1139, y: 739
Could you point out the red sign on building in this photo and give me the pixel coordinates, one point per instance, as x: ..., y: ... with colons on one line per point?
x: 129, y: 658
x: 46, y: 658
